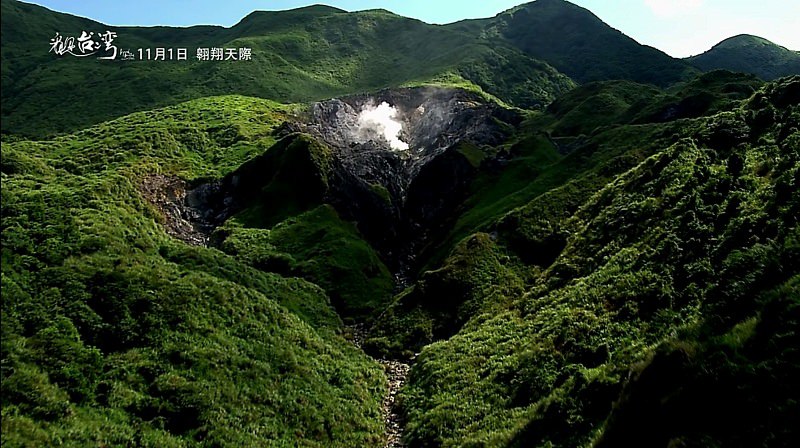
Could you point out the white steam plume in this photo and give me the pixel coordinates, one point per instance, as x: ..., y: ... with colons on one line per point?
x: 381, y: 120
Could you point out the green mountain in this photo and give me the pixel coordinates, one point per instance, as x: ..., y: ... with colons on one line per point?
x: 579, y: 44
x: 314, y: 53
x: 221, y: 254
x: 298, y: 55
x: 749, y: 54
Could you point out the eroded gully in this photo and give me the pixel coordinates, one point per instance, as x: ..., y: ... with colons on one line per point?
x: 396, y: 374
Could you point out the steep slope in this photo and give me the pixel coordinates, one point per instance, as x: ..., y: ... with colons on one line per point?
x: 115, y: 334
x: 654, y: 308
x: 106, y: 269
x: 568, y: 138
x: 298, y: 55
x: 617, y: 268
x: 579, y: 44
x: 749, y: 54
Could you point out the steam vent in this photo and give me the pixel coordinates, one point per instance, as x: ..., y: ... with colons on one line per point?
x: 402, y: 187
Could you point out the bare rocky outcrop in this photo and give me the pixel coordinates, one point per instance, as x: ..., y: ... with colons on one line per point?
x: 400, y: 199
x: 403, y: 199
x: 184, y: 210
x: 433, y: 119
x: 396, y: 374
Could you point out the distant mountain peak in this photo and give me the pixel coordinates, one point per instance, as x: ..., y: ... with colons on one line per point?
x: 550, y: 5
x: 310, y: 11
x: 265, y: 21
x: 578, y: 43
x: 382, y: 12
x: 317, y: 8
x: 749, y: 54
x: 743, y: 40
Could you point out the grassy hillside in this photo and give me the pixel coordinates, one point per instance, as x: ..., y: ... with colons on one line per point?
x: 596, y: 106
x: 319, y: 246
x: 579, y: 132
x: 643, y: 269
x: 749, y: 54
x: 116, y: 334
x: 679, y: 273
x: 475, y: 277
x: 185, y: 262
x: 298, y: 55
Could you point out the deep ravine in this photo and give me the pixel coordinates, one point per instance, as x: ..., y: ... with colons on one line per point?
x: 396, y: 375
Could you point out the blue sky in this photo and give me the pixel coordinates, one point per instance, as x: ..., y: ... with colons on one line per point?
x: 678, y: 27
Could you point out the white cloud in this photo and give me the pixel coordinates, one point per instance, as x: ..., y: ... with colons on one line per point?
x: 673, y: 8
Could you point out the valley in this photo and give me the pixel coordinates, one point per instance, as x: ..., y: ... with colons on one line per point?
x: 357, y: 241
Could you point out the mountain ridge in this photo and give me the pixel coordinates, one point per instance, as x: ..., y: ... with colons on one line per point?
x: 318, y: 52
x: 295, y: 59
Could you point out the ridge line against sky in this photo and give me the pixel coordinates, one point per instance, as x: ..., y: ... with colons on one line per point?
x: 680, y: 28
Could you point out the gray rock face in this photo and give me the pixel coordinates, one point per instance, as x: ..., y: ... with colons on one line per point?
x: 426, y: 182
x: 182, y: 209
x: 433, y: 119
x: 401, y: 199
